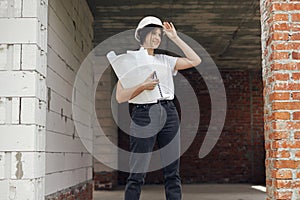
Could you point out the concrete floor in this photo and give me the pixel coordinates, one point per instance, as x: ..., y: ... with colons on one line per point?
x: 191, y: 192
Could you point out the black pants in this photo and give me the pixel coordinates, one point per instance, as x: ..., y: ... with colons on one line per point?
x: 161, y: 124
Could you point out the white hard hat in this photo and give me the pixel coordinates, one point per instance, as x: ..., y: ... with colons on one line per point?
x: 144, y: 22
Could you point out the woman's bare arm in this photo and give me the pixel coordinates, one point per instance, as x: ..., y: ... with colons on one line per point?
x: 125, y: 94
x: 191, y: 59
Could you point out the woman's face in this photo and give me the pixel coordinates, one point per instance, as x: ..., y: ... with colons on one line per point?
x: 153, y: 39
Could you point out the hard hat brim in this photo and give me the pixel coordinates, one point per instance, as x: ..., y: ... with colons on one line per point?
x: 146, y: 21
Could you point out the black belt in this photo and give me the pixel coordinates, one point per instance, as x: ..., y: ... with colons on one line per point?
x: 149, y: 104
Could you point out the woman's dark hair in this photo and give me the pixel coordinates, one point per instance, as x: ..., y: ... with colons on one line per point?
x: 147, y: 29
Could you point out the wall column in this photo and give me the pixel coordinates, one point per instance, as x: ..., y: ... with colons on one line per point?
x: 281, y: 79
x: 23, y: 49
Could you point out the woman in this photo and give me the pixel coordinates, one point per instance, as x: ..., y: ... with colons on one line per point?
x: 149, y: 33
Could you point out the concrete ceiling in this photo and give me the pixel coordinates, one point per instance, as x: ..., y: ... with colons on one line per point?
x: 229, y: 30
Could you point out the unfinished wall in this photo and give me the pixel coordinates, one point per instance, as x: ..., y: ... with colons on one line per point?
x: 230, y: 33
x: 105, y: 177
x: 68, y: 164
x: 23, y: 50
x: 238, y: 156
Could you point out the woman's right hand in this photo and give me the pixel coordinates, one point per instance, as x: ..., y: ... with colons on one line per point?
x: 150, y: 83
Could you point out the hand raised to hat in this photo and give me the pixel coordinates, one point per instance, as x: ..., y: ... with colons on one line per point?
x: 170, y: 30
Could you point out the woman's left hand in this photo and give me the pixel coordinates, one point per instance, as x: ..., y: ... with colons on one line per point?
x: 170, y: 30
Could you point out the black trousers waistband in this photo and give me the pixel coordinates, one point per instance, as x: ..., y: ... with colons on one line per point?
x: 165, y: 103
x: 149, y: 104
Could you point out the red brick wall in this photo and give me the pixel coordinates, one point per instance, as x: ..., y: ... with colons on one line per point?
x: 78, y: 192
x: 239, y: 153
x: 280, y: 45
x: 105, y: 180
x: 258, y: 162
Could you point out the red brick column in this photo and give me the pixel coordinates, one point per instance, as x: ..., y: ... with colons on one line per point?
x: 281, y: 77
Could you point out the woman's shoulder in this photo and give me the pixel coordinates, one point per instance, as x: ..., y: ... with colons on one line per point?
x: 165, y: 57
x: 161, y: 57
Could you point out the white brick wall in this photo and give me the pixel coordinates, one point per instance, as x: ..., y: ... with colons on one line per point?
x: 25, y: 189
x: 23, y: 98
x: 29, y: 27
x: 22, y: 138
x: 33, y: 111
x: 103, y: 101
x: 59, y: 162
x: 67, y: 161
x: 9, y: 110
x: 31, y: 163
x: 33, y: 58
x: 40, y: 151
x: 57, y: 181
x: 10, y: 8
x: 10, y: 57
x: 23, y: 84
